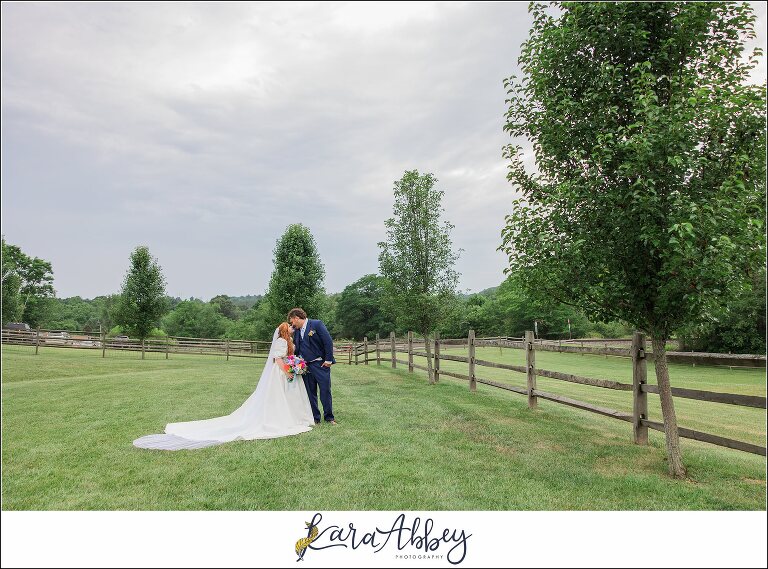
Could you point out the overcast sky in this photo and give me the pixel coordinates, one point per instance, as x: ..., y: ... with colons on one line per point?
x: 202, y: 130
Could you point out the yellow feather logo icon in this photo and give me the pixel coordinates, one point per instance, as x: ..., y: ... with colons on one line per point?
x: 303, y: 543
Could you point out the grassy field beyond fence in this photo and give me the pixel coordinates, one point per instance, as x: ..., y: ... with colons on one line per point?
x: 743, y: 423
x: 69, y: 418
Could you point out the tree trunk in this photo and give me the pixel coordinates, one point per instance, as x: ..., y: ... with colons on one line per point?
x: 430, y: 370
x: 24, y: 306
x: 674, y: 457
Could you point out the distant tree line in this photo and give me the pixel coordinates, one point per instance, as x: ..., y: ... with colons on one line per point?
x: 360, y: 310
x: 357, y: 312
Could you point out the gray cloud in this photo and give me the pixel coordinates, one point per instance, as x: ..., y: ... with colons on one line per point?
x: 202, y: 130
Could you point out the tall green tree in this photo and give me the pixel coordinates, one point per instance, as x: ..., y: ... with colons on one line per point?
x: 29, y: 283
x: 298, y: 275
x: 142, y: 297
x: 359, y: 310
x: 11, y: 282
x: 648, y: 203
x: 417, y: 259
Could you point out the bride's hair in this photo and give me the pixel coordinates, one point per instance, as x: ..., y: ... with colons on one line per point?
x: 284, y: 332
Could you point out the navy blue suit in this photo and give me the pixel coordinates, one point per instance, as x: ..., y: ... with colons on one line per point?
x: 317, y: 343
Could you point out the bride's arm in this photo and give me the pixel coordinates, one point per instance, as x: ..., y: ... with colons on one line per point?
x: 279, y: 351
x: 283, y: 366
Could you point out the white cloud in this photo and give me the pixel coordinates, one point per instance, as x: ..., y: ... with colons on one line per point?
x: 204, y: 129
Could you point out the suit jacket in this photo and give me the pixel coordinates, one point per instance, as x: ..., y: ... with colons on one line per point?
x: 317, y: 342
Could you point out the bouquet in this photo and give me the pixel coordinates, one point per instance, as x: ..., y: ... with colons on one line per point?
x: 294, y: 365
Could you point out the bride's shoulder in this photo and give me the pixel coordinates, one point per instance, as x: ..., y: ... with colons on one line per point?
x: 281, y: 341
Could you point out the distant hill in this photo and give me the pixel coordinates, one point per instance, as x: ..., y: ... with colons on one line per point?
x: 489, y: 291
x: 486, y: 292
x: 246, y: 301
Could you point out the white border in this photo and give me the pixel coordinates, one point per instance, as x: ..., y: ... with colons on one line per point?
x: 498, y: 539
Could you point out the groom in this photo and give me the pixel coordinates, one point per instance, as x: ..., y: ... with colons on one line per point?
x: 313, y: 343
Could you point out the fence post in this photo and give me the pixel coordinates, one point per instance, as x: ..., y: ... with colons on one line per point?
x: 227, y: 348
x: 530, y: 364
x: 37, y: 341
x: 142, y: 348
x: 410, y: 351
x: 103, y: 344
x: 356, y: 354
x: 471, y: 357
x: 378, y: 351
x: 365, y: 350
x: 349, y: 354
x: 437, y: 356
x: 639, y: 397
x: 392, y: 344
x: 167, y: 346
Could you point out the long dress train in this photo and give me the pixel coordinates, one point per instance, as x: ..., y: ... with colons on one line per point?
x: 277, y: 408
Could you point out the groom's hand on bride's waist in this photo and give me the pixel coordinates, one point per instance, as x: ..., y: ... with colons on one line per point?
x: 327, y: 364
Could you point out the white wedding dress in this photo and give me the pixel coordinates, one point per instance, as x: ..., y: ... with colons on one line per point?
x: 277, y: 408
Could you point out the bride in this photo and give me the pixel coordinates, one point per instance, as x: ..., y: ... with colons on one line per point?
x: 277, y: 408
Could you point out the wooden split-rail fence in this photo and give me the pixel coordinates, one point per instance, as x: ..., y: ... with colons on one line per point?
x: 639, y: 387
x: 168, y: 345
x: 357, y: 353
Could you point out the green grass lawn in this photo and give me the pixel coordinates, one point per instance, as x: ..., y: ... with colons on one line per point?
x: 69, y: 418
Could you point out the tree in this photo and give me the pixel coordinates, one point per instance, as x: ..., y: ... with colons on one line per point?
x: 511, y: 311
x: 737, y: 327
x: 329, y: 311
x: 29, y: 283
x: 417, y: 259
x: 142, y: 297
x: 73, y: 313
x: 297, y: 278
x: 225, y: 306
x: 36, y: 290
x: 195, y: 319
x: 648, y: 203
x: 359, y: 310
x: 11, y: 282
x: 256, y: 324
x: 108, y: 307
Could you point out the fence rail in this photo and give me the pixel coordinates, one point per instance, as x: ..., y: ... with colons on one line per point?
x: 347, y: 351
x: 169, y: 345
x: 588, y: 346
x: 344, y: 352
x: 639, y: 387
